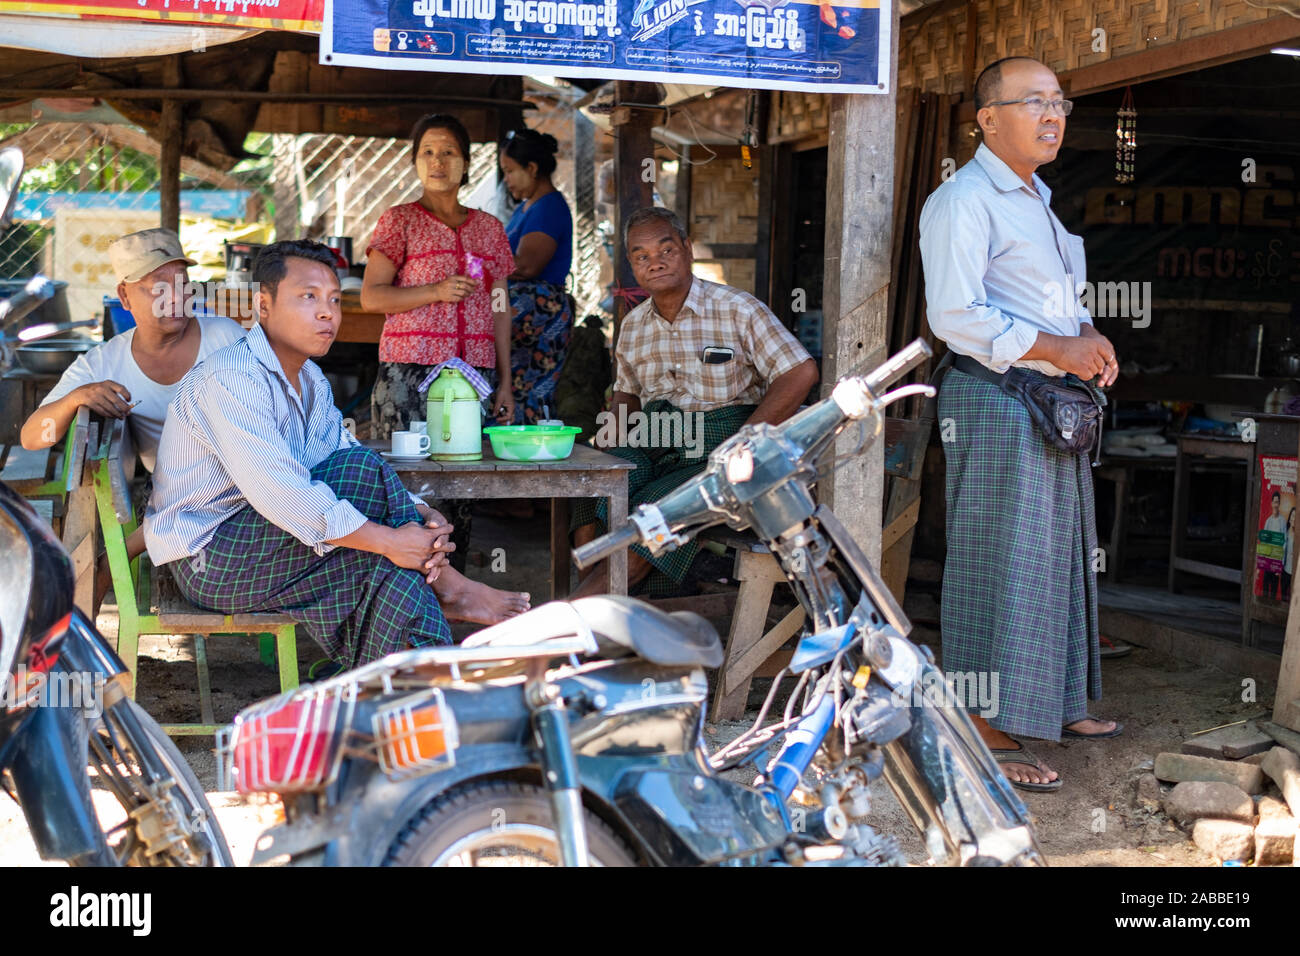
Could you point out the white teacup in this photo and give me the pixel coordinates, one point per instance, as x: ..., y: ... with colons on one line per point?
x: 410, y: 444
x: 417, y: 426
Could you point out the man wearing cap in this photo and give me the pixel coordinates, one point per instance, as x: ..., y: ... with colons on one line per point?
x: 133, y: 375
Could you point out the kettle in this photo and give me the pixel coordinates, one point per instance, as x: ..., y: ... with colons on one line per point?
x: 455, y: 418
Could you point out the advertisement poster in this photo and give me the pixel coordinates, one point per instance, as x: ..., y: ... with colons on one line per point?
x: 301, y: 15
x: 1276, y: 546
x: 754, y: 44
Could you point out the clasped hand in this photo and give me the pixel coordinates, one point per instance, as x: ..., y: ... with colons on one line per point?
x: 423, y: 547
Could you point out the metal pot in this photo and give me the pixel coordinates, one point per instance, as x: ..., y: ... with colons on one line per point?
x: 52, y: 356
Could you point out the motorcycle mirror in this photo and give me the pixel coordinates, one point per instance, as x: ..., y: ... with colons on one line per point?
x: 11, y: 173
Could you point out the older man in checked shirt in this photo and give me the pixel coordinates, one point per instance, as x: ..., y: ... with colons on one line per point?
x: 1019, y: 592
x: 263, y: 501
x: 693, y: 348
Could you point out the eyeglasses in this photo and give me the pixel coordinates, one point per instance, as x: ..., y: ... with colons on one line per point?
x: 1038, y: 105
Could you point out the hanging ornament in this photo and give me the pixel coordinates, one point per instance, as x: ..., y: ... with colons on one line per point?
x: 1125, y: 138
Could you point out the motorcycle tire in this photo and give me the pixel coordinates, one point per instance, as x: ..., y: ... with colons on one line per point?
x: 497, y: 823
x: 204, y: 846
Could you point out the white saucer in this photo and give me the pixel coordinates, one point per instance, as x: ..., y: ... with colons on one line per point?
x: 392, y: 457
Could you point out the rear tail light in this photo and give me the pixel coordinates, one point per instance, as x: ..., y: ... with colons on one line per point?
x: 416, y: 734
x: 290, y: 743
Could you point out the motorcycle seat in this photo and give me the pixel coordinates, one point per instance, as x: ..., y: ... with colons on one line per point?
x: 621, y: 627
x: 679, y: 639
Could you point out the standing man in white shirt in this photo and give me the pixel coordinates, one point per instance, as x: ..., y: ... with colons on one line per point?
x: 1019, y: 592
x: 134, y: 375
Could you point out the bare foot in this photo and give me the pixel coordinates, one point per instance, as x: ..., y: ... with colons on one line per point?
x: 995, y: 739
x: 466, y: 600
x: 1027, y: 772
x: 1090, y: 726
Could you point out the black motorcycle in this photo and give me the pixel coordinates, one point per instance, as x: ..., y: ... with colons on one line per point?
x: 573, y: 734
x: 65, y: 707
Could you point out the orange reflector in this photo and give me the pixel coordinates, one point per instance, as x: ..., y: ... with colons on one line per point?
x: 416, y: 734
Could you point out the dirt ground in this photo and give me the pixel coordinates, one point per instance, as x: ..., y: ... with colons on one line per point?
x: 1092, y: 821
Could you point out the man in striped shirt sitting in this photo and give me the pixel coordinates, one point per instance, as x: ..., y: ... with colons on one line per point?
x: 264, y: 501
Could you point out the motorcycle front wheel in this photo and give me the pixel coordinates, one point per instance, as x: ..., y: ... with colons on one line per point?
x: 497, y: 823
x: 151, y: 822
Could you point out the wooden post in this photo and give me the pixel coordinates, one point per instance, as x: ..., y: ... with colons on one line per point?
x: 171, y: 129
x: 284, y: 186
x: 587, y: 291
x: 855, y: 301
x: 632, y: 147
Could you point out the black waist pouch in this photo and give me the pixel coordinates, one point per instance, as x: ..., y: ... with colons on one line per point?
x: 1067, y: 411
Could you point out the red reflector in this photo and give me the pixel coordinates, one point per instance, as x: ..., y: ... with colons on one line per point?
x: 289, y: 743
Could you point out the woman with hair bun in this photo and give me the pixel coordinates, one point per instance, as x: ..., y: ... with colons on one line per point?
x: 541, y: 237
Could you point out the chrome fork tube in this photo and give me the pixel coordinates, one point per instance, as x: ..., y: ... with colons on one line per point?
x: 559, y: 769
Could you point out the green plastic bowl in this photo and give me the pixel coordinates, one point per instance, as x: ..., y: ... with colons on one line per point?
x: 532, y: 442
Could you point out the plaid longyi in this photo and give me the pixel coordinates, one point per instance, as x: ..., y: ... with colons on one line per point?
x: 1019, y: 590
x: 357, y: 605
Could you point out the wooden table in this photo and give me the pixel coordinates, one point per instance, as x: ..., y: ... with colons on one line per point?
x: 587, y: 473
x: 1203, y: 453
x: 1121, y: 470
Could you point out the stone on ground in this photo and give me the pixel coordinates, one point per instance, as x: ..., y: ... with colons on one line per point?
x: 1283, y: 735
x: 1283, y: 767
x: 1225, y: 839
x: 1192, y: 801
x: 1231, y: 743
x: 1275, y: 834
x: 1179, y: 768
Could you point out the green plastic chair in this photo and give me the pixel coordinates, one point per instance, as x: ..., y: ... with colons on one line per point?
x: 149, y: 601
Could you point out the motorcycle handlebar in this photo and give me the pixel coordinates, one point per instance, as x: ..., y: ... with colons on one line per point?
x: 897, y: 366
x: 588, y: 554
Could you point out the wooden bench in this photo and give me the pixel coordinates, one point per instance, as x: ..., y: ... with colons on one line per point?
x: 754, y: 650
x: 149, y: 602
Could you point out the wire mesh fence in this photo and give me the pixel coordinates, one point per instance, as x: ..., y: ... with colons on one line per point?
x: 86, y: 184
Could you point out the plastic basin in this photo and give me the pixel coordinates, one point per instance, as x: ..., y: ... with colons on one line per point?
x: 532, y: 442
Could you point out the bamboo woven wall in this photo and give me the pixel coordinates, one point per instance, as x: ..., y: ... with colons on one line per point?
x: 724, y: 202
x: 795, y: 115
x: 724, y: 212
x: 932, y: 49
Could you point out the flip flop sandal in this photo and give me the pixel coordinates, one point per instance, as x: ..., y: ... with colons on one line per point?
x: 1023, y: 755
x: 1110, y: 649
x: 324, y: 669
x: 1067, y: 732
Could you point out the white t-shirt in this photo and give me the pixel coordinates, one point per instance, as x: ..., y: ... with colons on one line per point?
x: 113, y: 361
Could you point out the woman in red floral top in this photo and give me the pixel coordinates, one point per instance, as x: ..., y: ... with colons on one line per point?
x: 438, y: 270
x: 435, y: 268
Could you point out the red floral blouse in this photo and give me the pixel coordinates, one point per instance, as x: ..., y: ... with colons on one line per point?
x: 426, y: 250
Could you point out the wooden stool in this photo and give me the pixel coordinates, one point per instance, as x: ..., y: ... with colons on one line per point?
x: 149, y: 601
x: 749, y: 645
